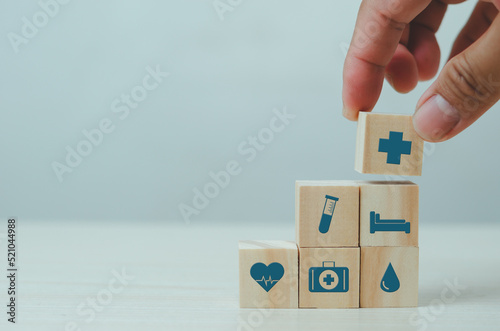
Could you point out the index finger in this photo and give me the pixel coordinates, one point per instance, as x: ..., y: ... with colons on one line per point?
x: 379, y: 27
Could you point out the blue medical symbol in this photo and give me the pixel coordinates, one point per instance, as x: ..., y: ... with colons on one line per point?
x: 267, y: 275
x: 328, y: 209
x: 329, y: 279
x: 377, y: 224
x: 395, y: 146
x: 390, y: 281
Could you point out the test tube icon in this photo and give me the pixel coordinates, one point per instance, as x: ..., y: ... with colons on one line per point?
x: 328, y: 209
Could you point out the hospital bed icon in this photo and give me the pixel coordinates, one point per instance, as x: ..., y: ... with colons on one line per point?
x: 376, y: 224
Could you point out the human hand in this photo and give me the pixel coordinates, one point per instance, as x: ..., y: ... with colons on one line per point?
x: 396, y: 39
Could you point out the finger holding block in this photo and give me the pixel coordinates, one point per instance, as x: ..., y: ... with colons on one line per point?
x: 387, y: 144
x: 268, y: 274
x: 389, y: 277
x: 329, y: 277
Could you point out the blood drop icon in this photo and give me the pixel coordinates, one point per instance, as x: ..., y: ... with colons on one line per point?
x: 390, y: 281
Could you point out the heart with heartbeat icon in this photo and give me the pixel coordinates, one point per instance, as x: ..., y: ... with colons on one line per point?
x: 267, y: 275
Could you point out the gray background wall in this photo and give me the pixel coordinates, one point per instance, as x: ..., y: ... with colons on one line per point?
x: 226, y: 77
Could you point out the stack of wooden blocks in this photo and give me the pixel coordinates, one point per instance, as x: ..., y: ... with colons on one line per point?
x: 356, y: 241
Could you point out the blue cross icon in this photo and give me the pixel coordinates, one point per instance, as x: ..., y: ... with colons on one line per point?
x: 328, y: 279
x: 395, y: 146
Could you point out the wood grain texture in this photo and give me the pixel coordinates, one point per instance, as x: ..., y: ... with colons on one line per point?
x: 374, y: 263
x: 344, y: 258
x: 390, y: 200
x: 284, y: 294
x: 371, y: 128
x: 309, y: 204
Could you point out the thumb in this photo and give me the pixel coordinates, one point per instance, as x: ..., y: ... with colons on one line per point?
x: 466, y: 88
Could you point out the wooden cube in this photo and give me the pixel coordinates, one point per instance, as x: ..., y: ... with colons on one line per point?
x: 389, y: 277
x: 327, y: 213
x: 268, y: 274
x: 329, y: 277
x: 388, y: 145
x: 388, y: 214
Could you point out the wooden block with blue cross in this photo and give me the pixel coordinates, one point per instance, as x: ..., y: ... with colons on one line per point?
x: 268, y: 274
x: 329, y: 277
x: 387, y: 144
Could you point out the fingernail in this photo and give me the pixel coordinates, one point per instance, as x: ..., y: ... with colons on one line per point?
x: 345, y: 112
x: 435, y: 118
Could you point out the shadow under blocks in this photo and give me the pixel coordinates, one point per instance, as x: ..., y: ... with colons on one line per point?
x: 356, y: 241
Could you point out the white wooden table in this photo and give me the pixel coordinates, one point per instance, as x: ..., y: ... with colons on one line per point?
x: 185, y: 277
